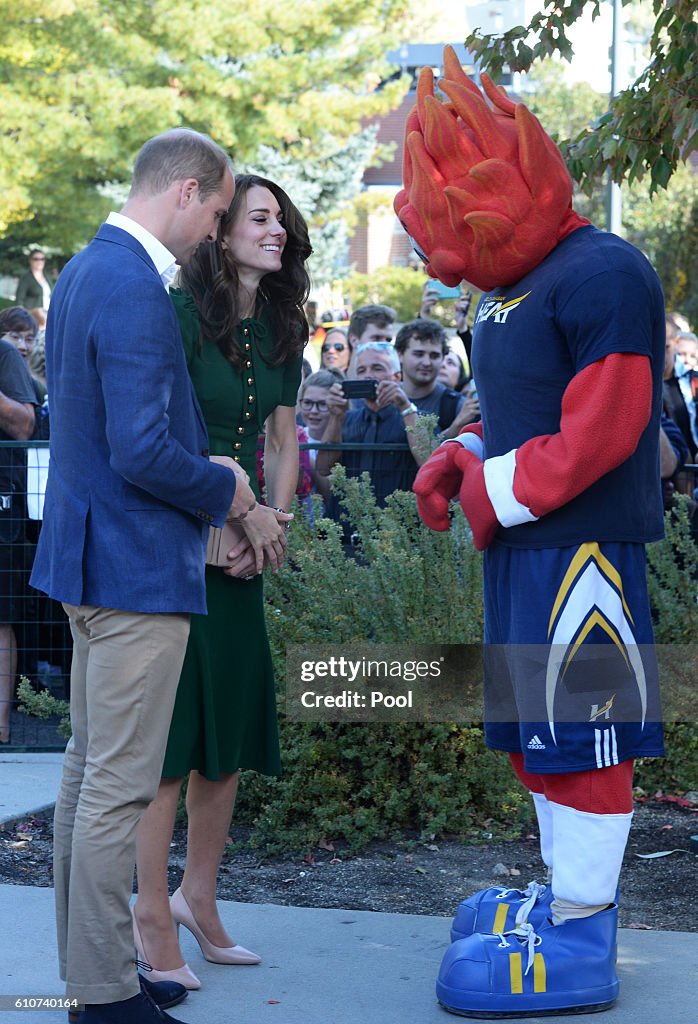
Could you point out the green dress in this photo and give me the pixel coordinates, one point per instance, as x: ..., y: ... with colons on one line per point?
x: 225, y: 712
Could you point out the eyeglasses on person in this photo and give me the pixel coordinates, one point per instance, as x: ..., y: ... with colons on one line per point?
x: 338, y: 346
x: 307, y: 405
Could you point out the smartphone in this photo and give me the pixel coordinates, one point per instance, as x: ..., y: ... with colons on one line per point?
x: 443, y: 290
x: 366, y: 388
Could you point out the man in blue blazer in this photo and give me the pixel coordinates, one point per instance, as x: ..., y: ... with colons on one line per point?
x: 130, y: 498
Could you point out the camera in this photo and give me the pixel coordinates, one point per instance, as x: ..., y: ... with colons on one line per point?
x: 367, y: 388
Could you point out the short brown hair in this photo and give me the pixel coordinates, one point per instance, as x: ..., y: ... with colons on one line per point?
x: 380, y: 316
x: 176, y: 155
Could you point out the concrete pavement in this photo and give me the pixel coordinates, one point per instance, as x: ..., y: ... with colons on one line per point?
x: 319, y: 966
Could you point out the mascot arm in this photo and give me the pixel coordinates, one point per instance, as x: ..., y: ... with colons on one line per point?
x: 605, y: 409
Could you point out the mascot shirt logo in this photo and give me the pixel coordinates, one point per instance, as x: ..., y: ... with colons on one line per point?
x: 498, y: 309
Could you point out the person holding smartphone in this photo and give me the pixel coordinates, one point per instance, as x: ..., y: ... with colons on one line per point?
x: 380, y: 417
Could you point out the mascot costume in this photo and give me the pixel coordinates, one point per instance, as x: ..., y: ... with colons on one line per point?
x: 560, y: 486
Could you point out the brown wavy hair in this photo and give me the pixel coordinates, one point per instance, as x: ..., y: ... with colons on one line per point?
x: 211, y: 279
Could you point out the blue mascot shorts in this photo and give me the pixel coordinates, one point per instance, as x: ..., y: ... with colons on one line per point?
x: 571, y: 677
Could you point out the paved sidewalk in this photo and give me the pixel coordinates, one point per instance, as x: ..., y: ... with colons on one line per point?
x: 319, y: 966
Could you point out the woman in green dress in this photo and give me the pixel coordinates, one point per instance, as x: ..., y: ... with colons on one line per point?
x: 243, y: 327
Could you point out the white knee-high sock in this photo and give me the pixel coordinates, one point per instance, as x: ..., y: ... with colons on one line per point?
x: 589, y: 852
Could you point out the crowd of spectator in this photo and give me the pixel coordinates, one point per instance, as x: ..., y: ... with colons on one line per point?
x: 377, y: 378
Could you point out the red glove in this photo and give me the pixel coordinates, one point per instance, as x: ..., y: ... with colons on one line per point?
x: 436, y: 483
x: 439, y: 479
x: 474, y: 500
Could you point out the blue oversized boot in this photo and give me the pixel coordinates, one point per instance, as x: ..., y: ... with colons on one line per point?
x: 499, y: 909
x: 533, y: 972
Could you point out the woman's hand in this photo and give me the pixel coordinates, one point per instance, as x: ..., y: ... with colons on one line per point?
x: 242, y: 560
x: 265, y: 530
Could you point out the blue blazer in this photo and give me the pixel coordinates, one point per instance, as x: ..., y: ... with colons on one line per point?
x: 131, y: 493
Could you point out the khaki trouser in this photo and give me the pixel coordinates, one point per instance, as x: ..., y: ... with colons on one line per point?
x: 124, y: 678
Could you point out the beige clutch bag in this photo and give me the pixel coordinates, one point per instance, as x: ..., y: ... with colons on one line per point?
x: 221, y: 541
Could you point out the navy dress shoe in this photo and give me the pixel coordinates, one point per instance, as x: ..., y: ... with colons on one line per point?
x: 163, y: 993
x: 146, y: 1008
x: 137, y: 1010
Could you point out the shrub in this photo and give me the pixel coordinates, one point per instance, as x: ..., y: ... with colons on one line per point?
x: 354, y: 782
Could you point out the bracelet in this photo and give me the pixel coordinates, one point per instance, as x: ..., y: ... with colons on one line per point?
x: 410, y: 408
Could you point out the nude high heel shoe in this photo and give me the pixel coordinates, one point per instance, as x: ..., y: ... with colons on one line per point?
x: 183, y: 975
x: 181, y: 914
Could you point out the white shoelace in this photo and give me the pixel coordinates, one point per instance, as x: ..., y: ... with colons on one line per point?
x: 526, y: 934
x: 533, y: 892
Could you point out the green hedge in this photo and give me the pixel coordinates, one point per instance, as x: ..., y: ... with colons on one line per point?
x: 354, y: 782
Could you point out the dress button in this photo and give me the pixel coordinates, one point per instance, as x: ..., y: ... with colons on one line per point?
x: 237, y: 446
x: 236, y: 458
x: 245, y: 331
x: 241, y: 430
x: 248, y: 365
x: 248, y: 415
x: 250, y: 399
x: 250, y: 380
x: 247, y: 346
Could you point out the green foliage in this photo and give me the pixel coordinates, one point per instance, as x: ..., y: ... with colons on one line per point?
x: 354, y: 782
x: 665, y: 228
x: 350, y: 783
x: 678, y: 771
x: 673, y: 586
x: 399, y: 287
x: 664, y: 225
x: 652, y: 125
x: 83, y: 83
x: 43, y: 704
x: 673, y: 579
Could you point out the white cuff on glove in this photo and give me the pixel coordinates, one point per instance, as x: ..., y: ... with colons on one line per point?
x: 499, y: 481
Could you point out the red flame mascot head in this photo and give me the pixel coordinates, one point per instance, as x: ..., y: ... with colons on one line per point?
x: 487, y: 195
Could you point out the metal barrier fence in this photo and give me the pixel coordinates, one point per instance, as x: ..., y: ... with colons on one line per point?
x: 35, y: 639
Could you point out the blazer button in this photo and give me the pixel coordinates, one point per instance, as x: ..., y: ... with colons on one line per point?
x: 248, y: 365
x: 236, y: 458
x: 247, y: 346
x: 248, y: 415
x: 241, y: 430
x: 250, y: 399
x: 250, y: 380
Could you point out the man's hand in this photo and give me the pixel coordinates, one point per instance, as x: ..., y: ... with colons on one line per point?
x: 460, y: 311
x: 436, y: 484
x: 243, y: 500
x: 390, y: 392
x: 430, y: 297
x: 337, y: 404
